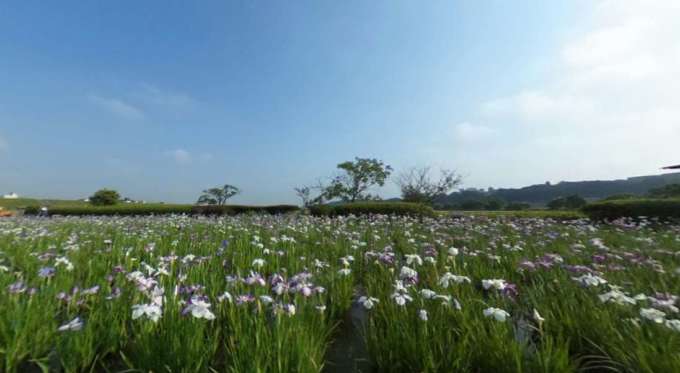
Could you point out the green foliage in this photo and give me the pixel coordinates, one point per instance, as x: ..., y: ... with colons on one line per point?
x: 471, y: 204
x: 162, y: 209
x: 105, y: 197
x: 517, y: 206
x: 617, y: 197
x: 356, y: 179
x: 567, y: 203
x: 239, y: 209
x: 634, y: 208
x: 218, y: 195
x: 21, y: 203
x: 494, y: 204
x: 668, y: 191
x: 529, y: 214
x: 554, y: 323
x: 366, y: 208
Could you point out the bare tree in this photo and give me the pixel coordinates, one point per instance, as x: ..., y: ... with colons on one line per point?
x: 417, y: 185
x: 305, y: 194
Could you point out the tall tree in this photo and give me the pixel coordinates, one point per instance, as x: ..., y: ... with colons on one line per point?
x: 356, y: 178
x: 218, y: 195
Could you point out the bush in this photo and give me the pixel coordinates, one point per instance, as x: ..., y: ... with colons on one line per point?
x: 667, y: 191
x: 238, y: 209
x: 634, y: 208
x: 367, y: 208
x: 616, y: 197
x: 161, y: 209
x: 517, y: 206
x: 105, y: 197
x: 567, y: 203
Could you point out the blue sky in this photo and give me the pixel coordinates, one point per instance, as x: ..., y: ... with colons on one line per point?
x: 161, y: 99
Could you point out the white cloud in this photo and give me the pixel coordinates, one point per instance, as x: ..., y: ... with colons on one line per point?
x: 180, y: 156
x: 470, y: 133
x: 168, y: 99
x: 118, y: 107
x: 611, y: 107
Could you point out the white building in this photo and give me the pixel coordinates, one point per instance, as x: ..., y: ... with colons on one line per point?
x: 11, y: 196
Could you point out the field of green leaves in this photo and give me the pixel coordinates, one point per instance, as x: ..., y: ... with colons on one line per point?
x: 293, y: 293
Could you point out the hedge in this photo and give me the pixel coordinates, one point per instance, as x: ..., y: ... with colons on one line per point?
x: 365, y: 208
x: 239, y: 209
x: 161, y: 209
x: 634, y: 208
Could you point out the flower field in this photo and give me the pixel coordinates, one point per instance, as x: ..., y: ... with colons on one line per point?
x: 276, y: 293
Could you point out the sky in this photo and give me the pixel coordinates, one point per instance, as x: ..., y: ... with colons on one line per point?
x: 162, y: 99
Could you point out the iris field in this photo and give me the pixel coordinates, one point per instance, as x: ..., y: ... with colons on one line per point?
x: 293, y: 293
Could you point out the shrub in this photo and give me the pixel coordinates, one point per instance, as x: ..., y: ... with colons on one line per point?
x: 667, y: 191
x: 567, y: 203
x: 634, y: 208
x: 104, y: 197
x: 616, y: 197
x: 239, y: 209
x: 367, y: 208
x: 517, y: 206
x: 160, y: 209
x: 472, y: 205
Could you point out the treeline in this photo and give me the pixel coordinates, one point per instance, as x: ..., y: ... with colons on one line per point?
x: 541, y: 195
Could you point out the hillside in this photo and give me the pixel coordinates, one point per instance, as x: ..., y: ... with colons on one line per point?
x: 541, y: 194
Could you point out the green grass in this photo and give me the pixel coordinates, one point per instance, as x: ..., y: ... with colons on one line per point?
x: 174, y: 260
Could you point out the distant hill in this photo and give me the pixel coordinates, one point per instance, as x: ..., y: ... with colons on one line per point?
x: 541, y: 194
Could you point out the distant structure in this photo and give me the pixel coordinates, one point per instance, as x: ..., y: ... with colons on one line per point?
x: 676, y: 167
x: 10, y: 196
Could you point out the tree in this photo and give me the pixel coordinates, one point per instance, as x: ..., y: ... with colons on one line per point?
x: 218, y: 195
x: 417, y: 185
x: 668, y: 191
x: 104, y: 197
x: 356, y: 179
x: 567, y: 203
x: 304, y: 193
x: 517, y: 206
x: 494, y: 204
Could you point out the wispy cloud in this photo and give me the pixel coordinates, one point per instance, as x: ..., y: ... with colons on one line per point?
x: 117, y: 106
x: 153, y: 95
x: 183, y: 157
x: 180, y: 156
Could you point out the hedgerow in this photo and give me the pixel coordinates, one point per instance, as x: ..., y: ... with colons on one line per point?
x: 375, y: 208
x: 634, y: 208
x: 161, y: 209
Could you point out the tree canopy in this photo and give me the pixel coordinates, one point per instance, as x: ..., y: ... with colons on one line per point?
x: 356, y: 179
x: 218, y: 195
x: 104, y: 197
